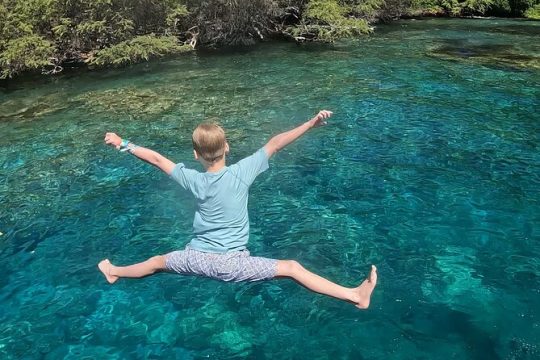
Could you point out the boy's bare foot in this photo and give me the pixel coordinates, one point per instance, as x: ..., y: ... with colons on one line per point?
x: 363, y: 292
x: 105, y: 267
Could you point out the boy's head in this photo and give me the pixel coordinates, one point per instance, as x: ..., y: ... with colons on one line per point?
x: 209, y: 142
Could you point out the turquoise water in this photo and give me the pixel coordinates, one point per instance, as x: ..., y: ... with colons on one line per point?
x: 429, y: 169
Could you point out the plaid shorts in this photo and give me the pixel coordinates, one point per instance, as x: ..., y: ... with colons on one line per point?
x: 230, y: 266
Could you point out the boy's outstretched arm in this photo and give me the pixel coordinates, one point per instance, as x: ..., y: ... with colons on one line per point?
x: 150, y: 156
x: 279, y: 141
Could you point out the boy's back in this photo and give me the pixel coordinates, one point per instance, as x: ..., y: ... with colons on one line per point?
x: 221, y: 222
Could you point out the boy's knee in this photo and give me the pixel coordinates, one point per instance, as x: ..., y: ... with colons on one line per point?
x: 288, y: 267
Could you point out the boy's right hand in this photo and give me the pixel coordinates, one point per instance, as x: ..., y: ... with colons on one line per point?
x: 320, y: 118
x: 113, y: 139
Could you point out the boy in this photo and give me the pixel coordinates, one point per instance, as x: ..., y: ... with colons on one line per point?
x: 221, y: 224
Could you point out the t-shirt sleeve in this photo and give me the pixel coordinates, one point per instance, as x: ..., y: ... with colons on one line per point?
x: 250, y: 167
x: 183, y: 176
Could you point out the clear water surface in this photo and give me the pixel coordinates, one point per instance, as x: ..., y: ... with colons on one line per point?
x: 429, y: 169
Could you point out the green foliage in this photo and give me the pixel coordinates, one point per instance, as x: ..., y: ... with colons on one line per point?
x: 430, y: 7
x: 75, y: 30
x: 368, y: 9
x: 533, y: 12
x: 475, y: 6
x: 328, y: 11
x: 138, y: 49
x: 393, y: 9
x: 49, y: 33
x: 500, y: 8
x: 62, y: 28
x: 519, y: 7
x: 28, y: 52
x: 176, y: 16
x: 451, y: 7
x: 92, y: 29
x: 328, y: 20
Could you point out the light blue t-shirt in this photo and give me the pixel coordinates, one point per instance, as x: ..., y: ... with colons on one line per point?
x: 221, y: 221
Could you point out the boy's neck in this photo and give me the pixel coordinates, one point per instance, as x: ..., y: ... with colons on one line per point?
x: 214, y: 167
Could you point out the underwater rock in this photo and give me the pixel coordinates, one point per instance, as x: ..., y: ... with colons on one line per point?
x: 237, y: 341
x: 490, y: 55
x: 110, y: 316
x: 168, y: 332
x: 227, y: 332
x: 524, y: 29
x: 130, y: 100
x: 36, y: 295
x: 457, y: 287
x: 83, y: 351
x: 521, y: 349
x: 31, y: 107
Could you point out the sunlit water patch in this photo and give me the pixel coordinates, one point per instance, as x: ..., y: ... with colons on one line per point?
x: 430, y: 169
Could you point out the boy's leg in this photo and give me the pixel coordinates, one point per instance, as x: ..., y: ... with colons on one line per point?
x: 360, y: 295
x: 142, y: 269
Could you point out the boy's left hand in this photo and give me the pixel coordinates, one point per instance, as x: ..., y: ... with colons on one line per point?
x: 320, y: 118
x: 113, y: 139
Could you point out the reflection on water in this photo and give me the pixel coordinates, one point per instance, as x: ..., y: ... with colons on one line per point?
x: 429, y: 169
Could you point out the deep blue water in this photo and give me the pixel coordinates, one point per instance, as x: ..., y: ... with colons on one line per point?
x: 429, y: 169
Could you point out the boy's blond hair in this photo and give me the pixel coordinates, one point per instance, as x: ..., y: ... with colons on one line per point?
x: 209, y: 141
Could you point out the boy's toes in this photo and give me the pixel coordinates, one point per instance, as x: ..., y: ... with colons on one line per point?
x: 373, y: 274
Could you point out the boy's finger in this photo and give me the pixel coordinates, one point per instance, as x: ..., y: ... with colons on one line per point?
x: 326, y: 113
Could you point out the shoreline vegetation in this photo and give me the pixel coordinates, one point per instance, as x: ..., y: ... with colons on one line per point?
x: 47, y: 36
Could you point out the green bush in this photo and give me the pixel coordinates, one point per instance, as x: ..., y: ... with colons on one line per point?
x: 519, y: 7
x: 328, y: 11
x: 29, y: 52
x: 328, y: 20
x: 533, y: 12
x: 138, y: 49
x: 499, y: 8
